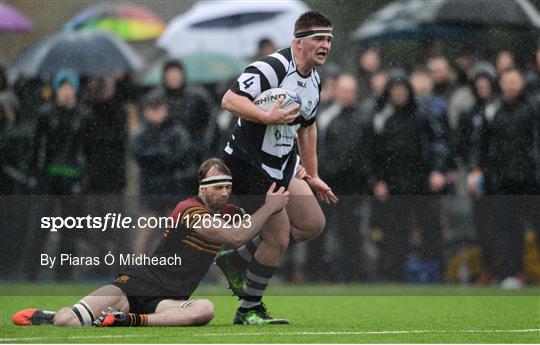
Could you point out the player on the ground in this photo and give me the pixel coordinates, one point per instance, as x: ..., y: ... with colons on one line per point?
x: 159, y: 295
x: 263, y: 149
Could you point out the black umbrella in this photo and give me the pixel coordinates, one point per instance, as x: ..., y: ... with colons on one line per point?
x: 440, y: 18
x: 487, y: 13
x: 90, y: 53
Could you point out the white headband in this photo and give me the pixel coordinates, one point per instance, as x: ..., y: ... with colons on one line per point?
x: 314, y: 32
x: 218, y: 180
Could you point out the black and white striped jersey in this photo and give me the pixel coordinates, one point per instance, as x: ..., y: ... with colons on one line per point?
x: 273, y: 147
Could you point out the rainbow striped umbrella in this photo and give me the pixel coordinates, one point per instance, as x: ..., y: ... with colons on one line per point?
x: 129, y: 22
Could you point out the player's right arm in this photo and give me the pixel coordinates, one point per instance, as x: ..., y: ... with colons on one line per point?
x: 258, y: 77
x: 245, y: 108
x: 239, y: 234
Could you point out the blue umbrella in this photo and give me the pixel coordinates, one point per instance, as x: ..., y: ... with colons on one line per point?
x: 89, y: 53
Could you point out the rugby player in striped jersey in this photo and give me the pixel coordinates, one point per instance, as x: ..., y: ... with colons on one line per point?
x: 268, y: 147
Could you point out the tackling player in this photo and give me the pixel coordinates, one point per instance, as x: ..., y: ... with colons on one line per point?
x: 159, y: 295
x: 263, y: 149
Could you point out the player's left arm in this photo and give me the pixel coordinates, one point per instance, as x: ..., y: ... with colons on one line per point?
x: 307, y: 146
x: 218, y: 230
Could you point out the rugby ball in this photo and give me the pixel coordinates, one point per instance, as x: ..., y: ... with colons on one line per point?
x: 266, y: 100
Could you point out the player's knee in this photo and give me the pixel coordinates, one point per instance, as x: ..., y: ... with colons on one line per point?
x: 310, y: 230
x: 319, y: 222
x: 205, y: 312
x: 66, y: 317
x: 315, y: 228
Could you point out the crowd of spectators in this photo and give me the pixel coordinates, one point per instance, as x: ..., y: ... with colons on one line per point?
x: 393, y: 141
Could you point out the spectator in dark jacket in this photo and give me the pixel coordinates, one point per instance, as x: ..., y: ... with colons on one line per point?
x: 105, y: 139
x: 189, y: 106
x: 58, y: 139
x: 32, y: 94
x: 509, y: 161
x: 105, y: 145
x: 508, y: 140
x: 483, y: 77
x: 56, y: 167
x: 341, y: 140
x: 407, y: 158
x: 162, y: 150
x: 12, y: 179
x: 422, y: 84
x: 533, y: 88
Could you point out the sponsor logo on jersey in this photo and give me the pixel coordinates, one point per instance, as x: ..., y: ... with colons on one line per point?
x: 270, y: 98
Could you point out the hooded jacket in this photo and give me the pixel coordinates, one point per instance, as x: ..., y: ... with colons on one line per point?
x: 509, y: 146
x: 405, y: 144
x: 344, y: 163
x: 161, y: 152
x: 57, y: 147
x: 191, y: 108
x: 470, y: 124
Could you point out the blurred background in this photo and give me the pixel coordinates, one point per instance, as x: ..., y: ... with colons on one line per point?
x: 429, y: 130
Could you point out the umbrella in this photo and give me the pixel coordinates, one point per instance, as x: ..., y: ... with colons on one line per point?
x: 90, y: 53
x: 509, y: 13
x: 202, y: 68
x: 439, y: 18
x: 231, y: 27
x: 127, y: 21
x: 12, y: 20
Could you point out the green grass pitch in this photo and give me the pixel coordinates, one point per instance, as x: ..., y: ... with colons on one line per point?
x: 318, y: 314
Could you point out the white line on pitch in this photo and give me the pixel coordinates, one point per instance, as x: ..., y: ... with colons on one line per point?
x: 375, y: 332
x: 282, y: 333
x: 77, y: 337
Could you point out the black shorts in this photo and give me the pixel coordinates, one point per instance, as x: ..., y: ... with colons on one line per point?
x: 143, y: 297
x: 251, y: 182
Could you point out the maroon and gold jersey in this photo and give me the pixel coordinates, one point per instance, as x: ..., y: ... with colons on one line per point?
x: 196, y: 253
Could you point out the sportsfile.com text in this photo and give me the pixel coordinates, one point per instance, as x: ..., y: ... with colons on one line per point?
x: 108, y: 222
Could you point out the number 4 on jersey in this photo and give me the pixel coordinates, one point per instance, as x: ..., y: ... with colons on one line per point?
x: 250, y: 83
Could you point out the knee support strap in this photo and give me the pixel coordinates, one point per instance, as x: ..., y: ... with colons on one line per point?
x: 84, y: 313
